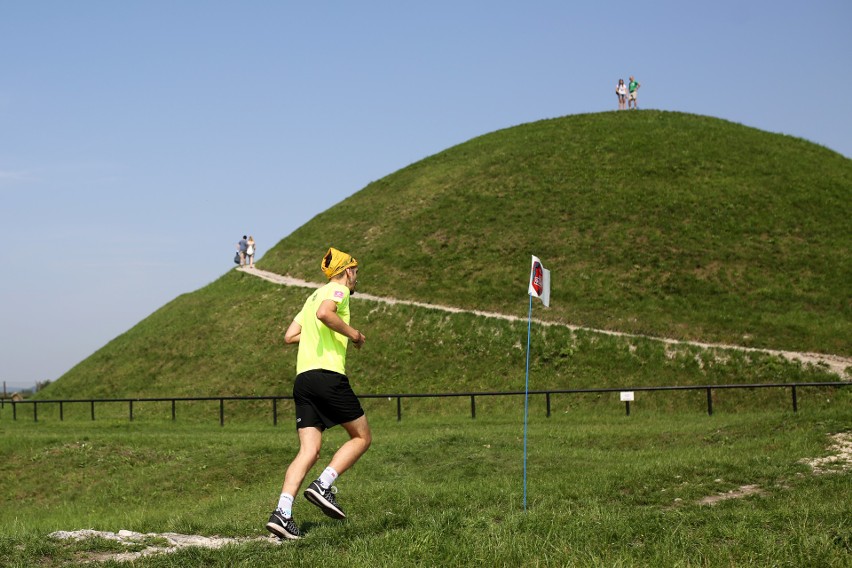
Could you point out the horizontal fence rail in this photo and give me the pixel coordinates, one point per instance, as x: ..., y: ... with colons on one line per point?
x: 398, y: 396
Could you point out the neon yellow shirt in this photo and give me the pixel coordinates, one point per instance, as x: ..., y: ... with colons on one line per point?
x: 319, y: 346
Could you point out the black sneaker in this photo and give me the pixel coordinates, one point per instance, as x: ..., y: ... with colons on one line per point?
x: 283, y: 527
x: 324, y: 499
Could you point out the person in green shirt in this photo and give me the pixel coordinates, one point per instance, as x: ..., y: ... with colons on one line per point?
x: 633, y: 88
x: 322, y: 394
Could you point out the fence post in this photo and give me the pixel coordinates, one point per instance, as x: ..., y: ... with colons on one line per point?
x: 61, y: 412
x: 709, y: 402
x: 275, y: 412
x: 472, y: 406
x: 14, y: 410
x: 795, y: 402
x: 627, y: 407
x: 131, y: 410
x: 173, y: 410
x: 221, y: 412
x: 547, y: 397
x: 398, y: 408
x: 35, y: 412
x: 93, y: 410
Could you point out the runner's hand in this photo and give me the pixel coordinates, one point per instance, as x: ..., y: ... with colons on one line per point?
x: 360, y: 341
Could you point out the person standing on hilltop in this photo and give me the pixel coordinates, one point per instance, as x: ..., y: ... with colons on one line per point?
x: 242, y: 246
x: 250, y: 249
x: 632, y: 98
x: 621, y: 93
x: 322, y: 394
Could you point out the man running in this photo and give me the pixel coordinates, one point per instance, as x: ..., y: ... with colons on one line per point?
x: 322, y: 394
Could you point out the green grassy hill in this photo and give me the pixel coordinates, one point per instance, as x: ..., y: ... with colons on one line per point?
x: 651, y: 222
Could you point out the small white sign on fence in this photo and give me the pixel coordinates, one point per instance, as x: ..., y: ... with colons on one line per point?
x: 626, y: 396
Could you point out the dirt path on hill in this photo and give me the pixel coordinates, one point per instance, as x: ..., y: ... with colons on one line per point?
x: 836, y: 364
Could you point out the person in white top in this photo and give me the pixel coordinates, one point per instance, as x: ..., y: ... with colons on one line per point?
x: 621, y: 91
x: 250, y: 248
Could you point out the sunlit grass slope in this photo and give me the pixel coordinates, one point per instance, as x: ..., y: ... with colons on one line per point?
x: 659, y: 223
x: 652, y: 222
x: 227, y: 339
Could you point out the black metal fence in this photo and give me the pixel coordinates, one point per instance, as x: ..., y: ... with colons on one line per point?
x: 472, y: 395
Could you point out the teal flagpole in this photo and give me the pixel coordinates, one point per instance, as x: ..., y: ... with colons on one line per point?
x: 527, y: 400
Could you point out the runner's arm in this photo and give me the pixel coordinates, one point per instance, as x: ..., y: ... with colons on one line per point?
x: 293, y: 333
x: 327, y: 314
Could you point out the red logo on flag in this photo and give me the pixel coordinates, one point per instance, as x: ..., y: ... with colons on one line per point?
x: 537, y: 278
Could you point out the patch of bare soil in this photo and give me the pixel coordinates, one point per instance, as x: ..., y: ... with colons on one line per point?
x: 155, y: 543
x: 739, y: 493
x: 839, y: 461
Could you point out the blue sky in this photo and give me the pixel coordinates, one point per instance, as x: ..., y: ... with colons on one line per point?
x: 140, y: 140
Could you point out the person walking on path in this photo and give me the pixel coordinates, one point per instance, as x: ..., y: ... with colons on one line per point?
x: 322, y: 394
x: 242, y: 247
x: 250, y: 249
x: 632, y: 98
x: 621, y: 92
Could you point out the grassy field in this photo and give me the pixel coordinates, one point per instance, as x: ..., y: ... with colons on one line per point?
x: 441, y: 489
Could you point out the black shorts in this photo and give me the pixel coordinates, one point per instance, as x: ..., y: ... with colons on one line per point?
x: 324, y: 399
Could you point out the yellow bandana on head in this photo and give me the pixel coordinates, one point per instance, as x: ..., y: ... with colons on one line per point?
x: 334, y: 262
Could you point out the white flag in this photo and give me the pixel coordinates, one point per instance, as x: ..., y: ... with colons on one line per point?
x: 540, y: 282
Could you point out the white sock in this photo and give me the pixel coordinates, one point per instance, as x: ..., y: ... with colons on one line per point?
x: 327, y: 478
x: 285, y: 504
